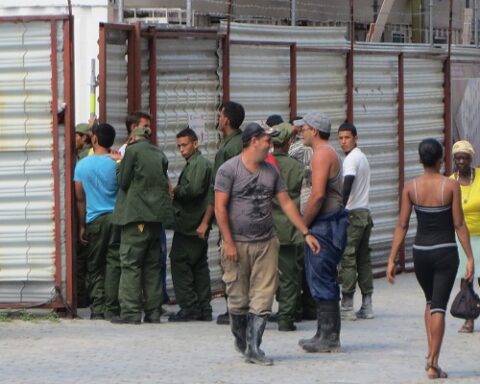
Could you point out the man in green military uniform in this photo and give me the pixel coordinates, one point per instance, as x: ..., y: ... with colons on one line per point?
x: 188, y: 256
x: 290, y: 256
x: 143, y: 205
x: 82, y: 140
x: 230, y: 118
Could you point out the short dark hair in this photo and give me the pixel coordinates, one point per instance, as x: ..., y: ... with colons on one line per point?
x: 188, y: 132
x: 273, y: 120
x: 323, y: 135
x: 105, y: 134
x: 234, y: 112
x: 134, y: 118
x: 430, y: 151
x: 348, y: 127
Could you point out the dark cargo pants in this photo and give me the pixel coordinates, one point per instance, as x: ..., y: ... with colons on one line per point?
x: 190, y: 273
x: 356, y: 261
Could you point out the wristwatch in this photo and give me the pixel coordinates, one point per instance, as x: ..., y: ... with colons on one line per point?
x: 305, y: 234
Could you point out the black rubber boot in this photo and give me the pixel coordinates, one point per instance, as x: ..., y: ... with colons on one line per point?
x: 255, y: 328
x: 302, y: 342
x: 329, y: 324
x: 238, y: 324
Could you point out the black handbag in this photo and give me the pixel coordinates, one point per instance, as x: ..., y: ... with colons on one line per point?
x: 466, y: 304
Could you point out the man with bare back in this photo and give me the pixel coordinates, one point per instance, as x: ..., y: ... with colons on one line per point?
x: 327, y: 220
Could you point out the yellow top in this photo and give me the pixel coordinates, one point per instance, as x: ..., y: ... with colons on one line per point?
x: 90, y: 151
x: 471, y: 203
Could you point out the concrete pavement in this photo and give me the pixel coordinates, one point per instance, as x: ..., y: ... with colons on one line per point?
x: 388, y: 349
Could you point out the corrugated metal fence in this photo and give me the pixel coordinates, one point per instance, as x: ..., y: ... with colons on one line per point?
x: 35, y: 161
x: 398, y: 97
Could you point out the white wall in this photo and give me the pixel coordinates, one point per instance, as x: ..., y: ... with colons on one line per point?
x: 87, y: 16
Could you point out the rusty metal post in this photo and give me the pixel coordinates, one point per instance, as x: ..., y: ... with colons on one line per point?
x: 70, y: 217
x: 447, y: 99
x: 226, y: 68
x: 102, y: 74
x: 401, y: 145
x: 350, y: 67
x: 293, y: 80
x: 152, y: 73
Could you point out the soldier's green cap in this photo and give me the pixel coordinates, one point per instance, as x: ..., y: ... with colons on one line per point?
x: 82, y: 128
x: 285, y: 130
x: 142, y: 131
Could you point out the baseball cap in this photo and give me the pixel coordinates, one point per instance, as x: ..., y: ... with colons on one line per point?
x: 274, y: 120
x: 316, y: 120
x: 82, y: 128
x: 256, y: 130
x: 285, y: 130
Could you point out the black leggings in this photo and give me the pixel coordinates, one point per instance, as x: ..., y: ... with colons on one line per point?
x: 436, y: 271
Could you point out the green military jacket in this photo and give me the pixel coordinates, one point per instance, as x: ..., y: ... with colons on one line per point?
x: 292, y: 172
x: 191, y: 193
x: 83, y: 152
x: 143, y: 194
x: 232, y: 146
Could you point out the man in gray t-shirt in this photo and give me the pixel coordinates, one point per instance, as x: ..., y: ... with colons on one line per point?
x: 251, y: 194
x: 244, y: 188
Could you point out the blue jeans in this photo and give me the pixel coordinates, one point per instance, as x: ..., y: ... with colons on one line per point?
x: 321, y: 268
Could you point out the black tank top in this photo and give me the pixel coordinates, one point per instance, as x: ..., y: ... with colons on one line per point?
x: 435, y: 227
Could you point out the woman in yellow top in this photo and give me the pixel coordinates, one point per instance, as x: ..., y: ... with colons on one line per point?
x: 469, y: 179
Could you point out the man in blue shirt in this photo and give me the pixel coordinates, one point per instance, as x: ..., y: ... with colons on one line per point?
x: 96, y: 190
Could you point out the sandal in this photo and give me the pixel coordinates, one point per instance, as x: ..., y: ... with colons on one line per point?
x: 466, y: 328
x: 437, y: 373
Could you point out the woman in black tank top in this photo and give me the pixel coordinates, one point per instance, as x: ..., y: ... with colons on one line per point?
x: 436, y: 200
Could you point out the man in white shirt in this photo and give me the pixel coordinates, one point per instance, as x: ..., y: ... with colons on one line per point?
x: 356, y: 263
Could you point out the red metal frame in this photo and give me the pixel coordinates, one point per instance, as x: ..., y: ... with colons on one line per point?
x: 226, y: 68
x: 293, y: 81
x: 447, y: 102
x: 70, y: 223
x: 401, y: 144
x: 152, y: 71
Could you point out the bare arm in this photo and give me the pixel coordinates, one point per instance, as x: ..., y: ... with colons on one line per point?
x: 461, y: 229
x: 221, y: 213
x: 291, y: 211
x: 400, y: 231
x: 321, y: 164
x: 81, y: 210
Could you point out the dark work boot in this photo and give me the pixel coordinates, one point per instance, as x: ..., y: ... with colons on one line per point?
x: 224, y: 318
x: 255, y: 328
x: 329, y: 324
x: 302, y: 342
x: 238, y: 324
x: 366, y: 310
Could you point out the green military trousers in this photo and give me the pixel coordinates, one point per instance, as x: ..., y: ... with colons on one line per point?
x: 356, y: 262
x: 140, y: 271
x: 290, y: 266
x: 102, y: 255
x: 190, y: 273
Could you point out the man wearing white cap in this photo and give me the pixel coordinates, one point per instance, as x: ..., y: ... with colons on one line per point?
x: 327, y: 220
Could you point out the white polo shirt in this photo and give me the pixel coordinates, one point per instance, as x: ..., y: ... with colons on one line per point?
x: 356, y: 164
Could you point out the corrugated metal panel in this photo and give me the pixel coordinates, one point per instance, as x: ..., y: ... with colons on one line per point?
x: 424, y: 117
x: 260, y: 75
x: 117, y: 82
x: 321, y: 84
x: 303, y: 36
x: 188, y: 86
x: 27, y: 242
x: 375, y: 115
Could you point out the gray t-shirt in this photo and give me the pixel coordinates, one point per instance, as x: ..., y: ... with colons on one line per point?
x: 251, y: 194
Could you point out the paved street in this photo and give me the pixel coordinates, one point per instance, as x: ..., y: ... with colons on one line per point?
x: 388, y: 349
